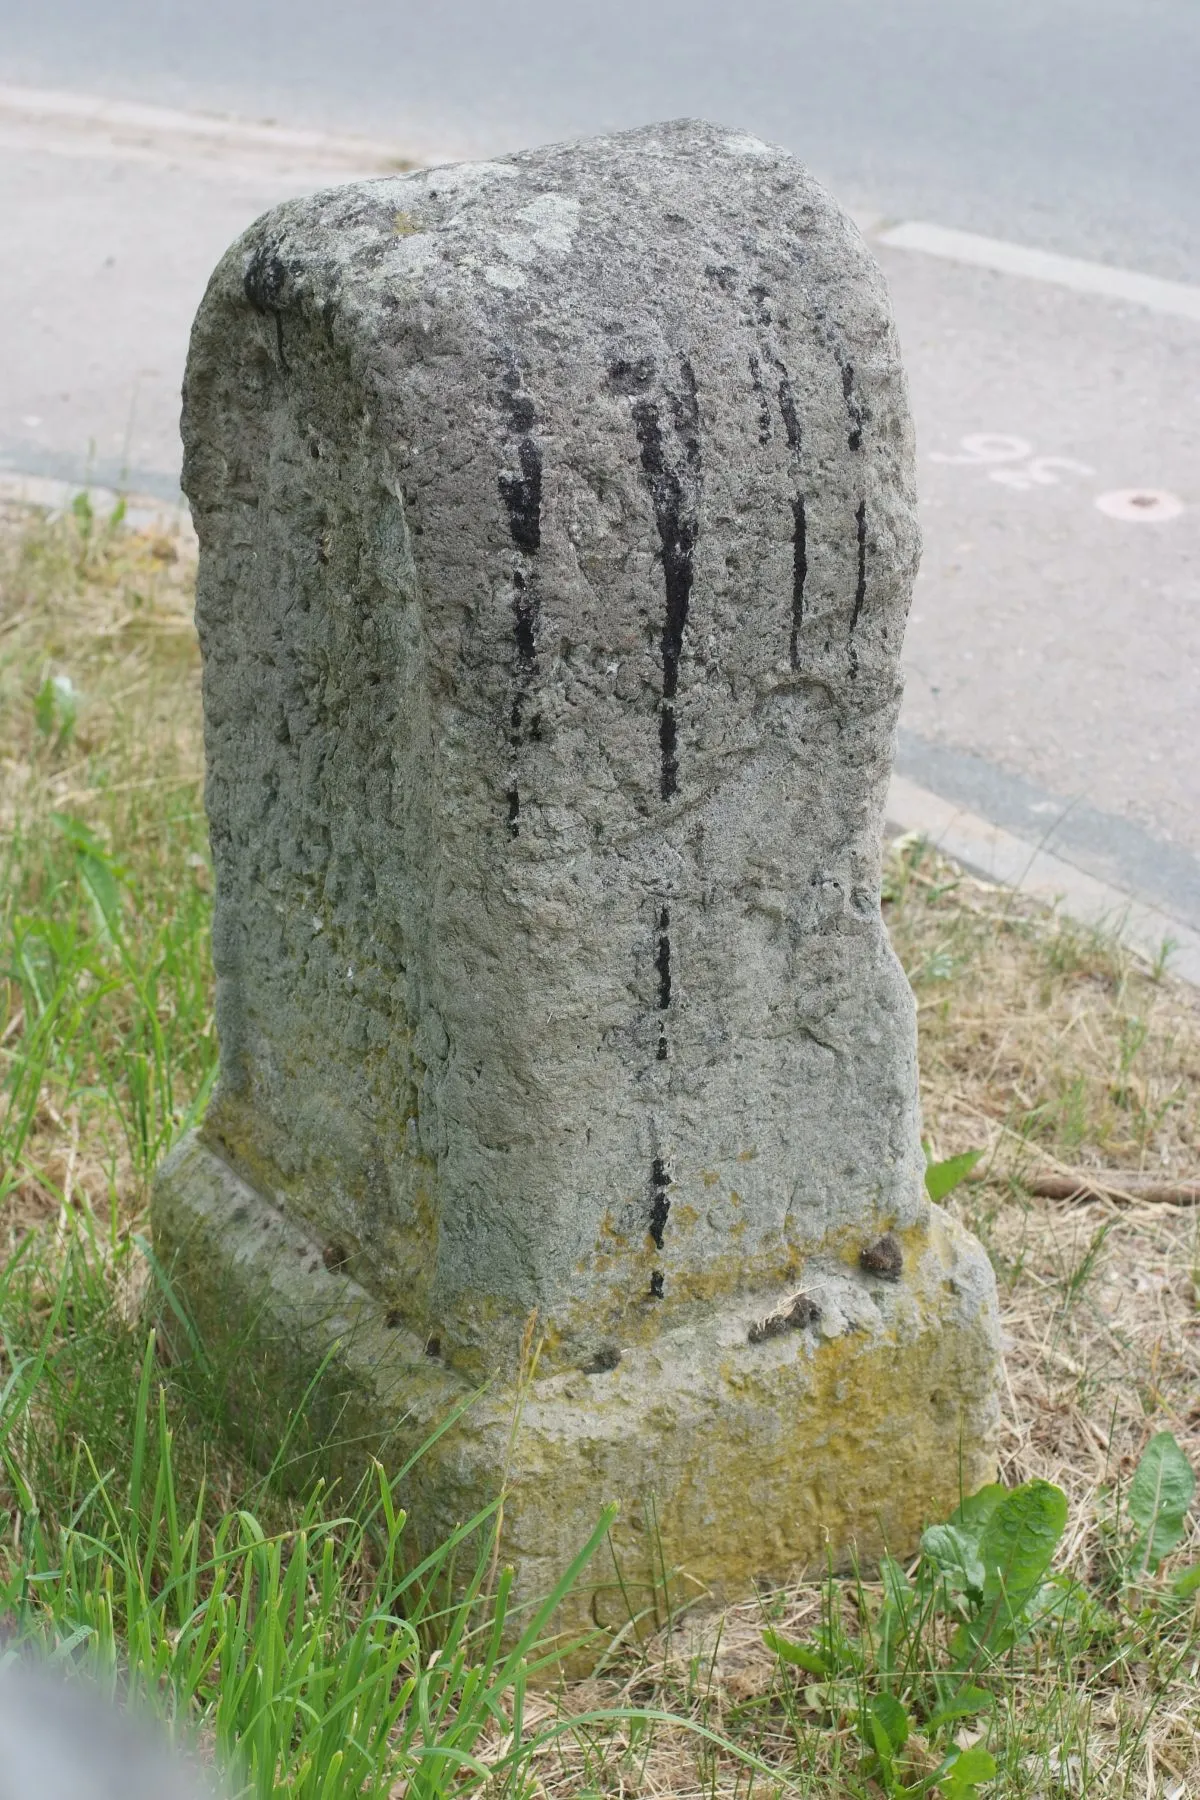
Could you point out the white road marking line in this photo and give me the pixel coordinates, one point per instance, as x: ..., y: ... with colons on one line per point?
x: 1151, y: 291
x: 38, y: 105
x: 1014, y: 862
x: 1145, y: 506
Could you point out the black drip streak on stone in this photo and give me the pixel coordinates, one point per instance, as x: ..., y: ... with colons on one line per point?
x: 263, y: 284
x: 860, y: 592
x: 668, y: 746
x: 676, y: 533
x: 854, y: 438
x: 791, y: 425
x: 674, y: 491
x: 787, y: 409
x: 660, y: 1206
x: 662, y: 963
x: 521, y: 494
x: 799, y: 575
x: 524, y: 607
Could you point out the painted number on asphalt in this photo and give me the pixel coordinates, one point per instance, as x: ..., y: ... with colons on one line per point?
x: 1011, y: 461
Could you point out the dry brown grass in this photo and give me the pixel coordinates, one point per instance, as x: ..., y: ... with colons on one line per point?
x: 112, y: 611
x: 108, y: 611
x: 1044, y: 1039
x: 1050, y: 1045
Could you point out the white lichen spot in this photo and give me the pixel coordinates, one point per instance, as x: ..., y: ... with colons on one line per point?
x: 498, y: 275
x: 742, y: 144
x: 414, y: 254
x: 461, y: 178
x: 555, y: 220
x: 550, y: 223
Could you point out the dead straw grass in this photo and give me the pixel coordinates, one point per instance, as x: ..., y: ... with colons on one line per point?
x: 110, y: 611
x: 1052, y: 1046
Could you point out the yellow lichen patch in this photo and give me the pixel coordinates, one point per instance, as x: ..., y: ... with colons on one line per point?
x: 870, y: 1454
x: 732, y: 1462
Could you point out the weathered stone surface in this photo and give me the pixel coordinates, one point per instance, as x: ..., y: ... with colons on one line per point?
x: 750, y: 1453
x: 557, y: 525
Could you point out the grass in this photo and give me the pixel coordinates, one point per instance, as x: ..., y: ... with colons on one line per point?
x: 104, y: 902
x: 288, y: 1632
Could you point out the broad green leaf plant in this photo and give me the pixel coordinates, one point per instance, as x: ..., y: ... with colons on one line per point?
x: 924, y: 1663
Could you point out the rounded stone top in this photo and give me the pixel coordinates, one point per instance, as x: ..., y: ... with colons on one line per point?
x: 648, y: 240
x: 694, y: 199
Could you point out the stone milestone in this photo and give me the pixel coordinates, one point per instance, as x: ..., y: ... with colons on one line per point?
x: 557, y: 529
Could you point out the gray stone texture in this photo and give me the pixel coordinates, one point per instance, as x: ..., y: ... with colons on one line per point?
x: 743, y: 1443
x: 558, y: 525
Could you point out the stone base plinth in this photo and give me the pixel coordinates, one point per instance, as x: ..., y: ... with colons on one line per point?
x: 757, y: 1443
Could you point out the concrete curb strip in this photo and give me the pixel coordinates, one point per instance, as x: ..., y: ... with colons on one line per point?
x: 143, y: 512
x: 1085, y: 277
x: 1014, y: 862
x: 44, y: 106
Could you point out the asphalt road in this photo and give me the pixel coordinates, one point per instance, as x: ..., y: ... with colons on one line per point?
x: 1053, y: 655
x: 1067, y: 123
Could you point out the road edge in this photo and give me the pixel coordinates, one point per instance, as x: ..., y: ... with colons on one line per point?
x: 1014, y: 862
